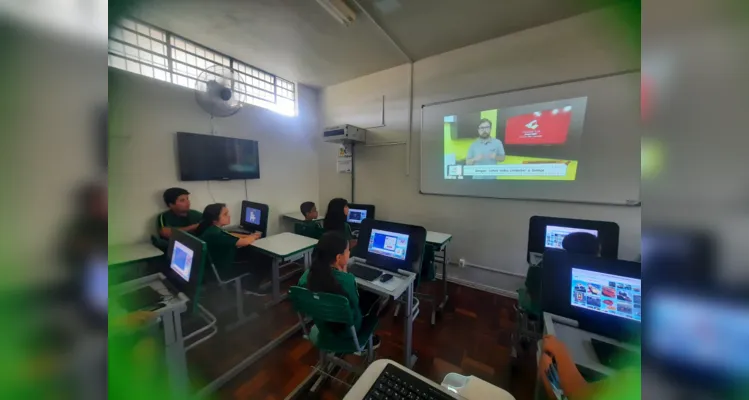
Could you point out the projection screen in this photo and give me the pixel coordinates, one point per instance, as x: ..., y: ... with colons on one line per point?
x: 576, y: 141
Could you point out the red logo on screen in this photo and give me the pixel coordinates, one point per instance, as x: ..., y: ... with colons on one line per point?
x: 540, y: 127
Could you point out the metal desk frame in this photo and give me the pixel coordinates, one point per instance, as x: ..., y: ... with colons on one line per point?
x: 412, y: 310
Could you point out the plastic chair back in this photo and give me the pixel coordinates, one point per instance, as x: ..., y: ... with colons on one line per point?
x: 321, y: 307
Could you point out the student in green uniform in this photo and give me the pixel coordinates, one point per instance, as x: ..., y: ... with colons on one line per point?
x: 309, y: 227
x: 329, y: 274
x: 179, y: 215
x: 309, y: 211
x: 335, y: 219
x: 223, y: 245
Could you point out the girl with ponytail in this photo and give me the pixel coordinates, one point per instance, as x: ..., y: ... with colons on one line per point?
x: 329, y: 274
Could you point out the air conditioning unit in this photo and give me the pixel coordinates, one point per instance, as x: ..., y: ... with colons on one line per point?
x: 344, y: 134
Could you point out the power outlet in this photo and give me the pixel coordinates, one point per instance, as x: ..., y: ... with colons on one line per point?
x: 462, y: 263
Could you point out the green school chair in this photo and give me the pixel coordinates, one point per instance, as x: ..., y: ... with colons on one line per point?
x: 331, y: 308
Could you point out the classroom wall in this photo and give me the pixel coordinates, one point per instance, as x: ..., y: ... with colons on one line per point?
x: 145, y: 115
x: 491, y: 233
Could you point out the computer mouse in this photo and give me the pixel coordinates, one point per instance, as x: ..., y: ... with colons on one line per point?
x: 385, y: 277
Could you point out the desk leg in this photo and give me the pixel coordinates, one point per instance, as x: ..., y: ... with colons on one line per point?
x: 410, y: 358
x: 441, y: 307
x: 175, y: 355
x: 276, y: 280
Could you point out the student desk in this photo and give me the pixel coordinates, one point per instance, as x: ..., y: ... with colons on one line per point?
x: 402, y: 282
x: 131, y: 253
x: 170, y: 316
x: 579, y: 346
x: 439, y: 241
x: 283, y: 247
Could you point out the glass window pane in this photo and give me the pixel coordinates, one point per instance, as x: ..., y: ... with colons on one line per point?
x: 159, y: 61
x: 158, y: 35
x: 190, y: 59
x: 145, y: 56
x: 158, y: 47
x: 144, y: 42
x: 117, y: 62
x: 128, y: 23
x: 131, y: 51
x: 180, y: 56
x: 142, y: 29
x: 159, y: 74
x: 133, y: 66
x: 189, y: 47
x: 146, y: 70
x: 116, y: 47
x: 116, y: 32
x: 200, y: 63
x: 199, y: 51
x: 130, y: 37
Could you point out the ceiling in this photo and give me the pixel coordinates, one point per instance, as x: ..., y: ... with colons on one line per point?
x: 300, y: 41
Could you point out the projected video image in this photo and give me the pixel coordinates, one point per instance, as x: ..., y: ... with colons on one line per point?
x: 531, y: 142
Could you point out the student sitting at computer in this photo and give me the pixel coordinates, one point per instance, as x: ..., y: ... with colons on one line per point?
x: 309, y: 211
x: 223, y: 245
x: 335, y: 220
x: 329, y: 274
x: 575, y: 243
x: 179, y: 215
x: 309, y: 227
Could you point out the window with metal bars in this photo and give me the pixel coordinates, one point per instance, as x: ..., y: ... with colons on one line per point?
x: 156, y: 53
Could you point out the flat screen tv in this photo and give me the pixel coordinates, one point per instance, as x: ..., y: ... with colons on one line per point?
x: 207, y: 157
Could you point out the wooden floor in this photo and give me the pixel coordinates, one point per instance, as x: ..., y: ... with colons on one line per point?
x: 472, y: 337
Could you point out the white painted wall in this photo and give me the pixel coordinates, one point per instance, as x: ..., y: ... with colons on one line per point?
x: 144, y: 116
x: 488, y: 232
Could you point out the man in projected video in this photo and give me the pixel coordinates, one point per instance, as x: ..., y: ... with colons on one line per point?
x: 486, y: 150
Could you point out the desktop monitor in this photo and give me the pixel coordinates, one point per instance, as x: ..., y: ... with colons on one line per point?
x: 547, y: 233
x: 186, y: 261
x: 254, y: 217
x: 390, y: 245
x: 602, y: 295
x: 359, y: 212
x: 555, y: 235
x: 608, y: 294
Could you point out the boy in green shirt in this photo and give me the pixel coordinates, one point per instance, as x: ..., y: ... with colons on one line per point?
x: 309, y: 227
x: 179, y: 215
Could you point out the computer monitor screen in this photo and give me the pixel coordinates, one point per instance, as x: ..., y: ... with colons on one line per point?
x: 182, y: 260
x: 605, y: 293
x: 388, y: 244
x: 252, y: 216
x: 356, y: 216
x: 556, y: 234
